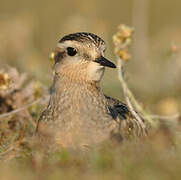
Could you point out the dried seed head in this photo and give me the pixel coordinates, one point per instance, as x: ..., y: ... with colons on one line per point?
x: 5, y: 81
x: 122, y: 40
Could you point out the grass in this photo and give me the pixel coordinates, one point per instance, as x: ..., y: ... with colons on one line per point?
x: 141, y: 160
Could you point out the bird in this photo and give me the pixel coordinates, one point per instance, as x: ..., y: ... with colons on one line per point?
x: 79, y: 114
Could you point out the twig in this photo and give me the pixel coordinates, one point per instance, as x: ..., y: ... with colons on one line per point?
x: 14, y: 145
x: 11, y: 148
x: 122, y: 40
x: 131, y: 101
x: 23, y: 108
x: 175, y: 116
x: 133, y: 104
x: 127, y: 93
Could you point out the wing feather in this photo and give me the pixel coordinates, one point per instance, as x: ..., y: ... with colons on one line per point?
x: 129, y: 126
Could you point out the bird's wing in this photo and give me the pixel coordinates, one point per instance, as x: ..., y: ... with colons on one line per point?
x: 129, y: 125
x: 117, y: 108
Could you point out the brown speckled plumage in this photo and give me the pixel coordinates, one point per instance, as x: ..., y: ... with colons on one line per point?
x: 78, y: 113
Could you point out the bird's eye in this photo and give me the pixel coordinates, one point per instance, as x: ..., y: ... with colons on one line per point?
x: 71, y: 51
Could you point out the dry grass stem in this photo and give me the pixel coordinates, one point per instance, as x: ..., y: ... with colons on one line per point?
x: 127, y: 93
x: 23, y: 108
x: 122, y: 40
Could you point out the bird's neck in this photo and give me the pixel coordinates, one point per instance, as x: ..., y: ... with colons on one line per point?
x: 78, y: 98
x: 65, y: 83
x: 73, y: 92
x: 75, y: 97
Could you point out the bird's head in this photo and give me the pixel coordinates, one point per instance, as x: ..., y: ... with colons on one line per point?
x: 80, y: 57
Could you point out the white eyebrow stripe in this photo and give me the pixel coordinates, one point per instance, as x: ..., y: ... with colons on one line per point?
x: 65, y: 44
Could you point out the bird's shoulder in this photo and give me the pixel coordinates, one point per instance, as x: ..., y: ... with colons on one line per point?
x: 129, y: 125
x: 117, y: 109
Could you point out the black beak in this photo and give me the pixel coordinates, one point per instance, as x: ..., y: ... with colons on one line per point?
x: 104, y: 62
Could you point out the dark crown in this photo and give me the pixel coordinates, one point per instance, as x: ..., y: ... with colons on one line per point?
x: 82, y: 37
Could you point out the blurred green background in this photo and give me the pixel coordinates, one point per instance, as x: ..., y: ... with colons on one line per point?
x: 29, y: 31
